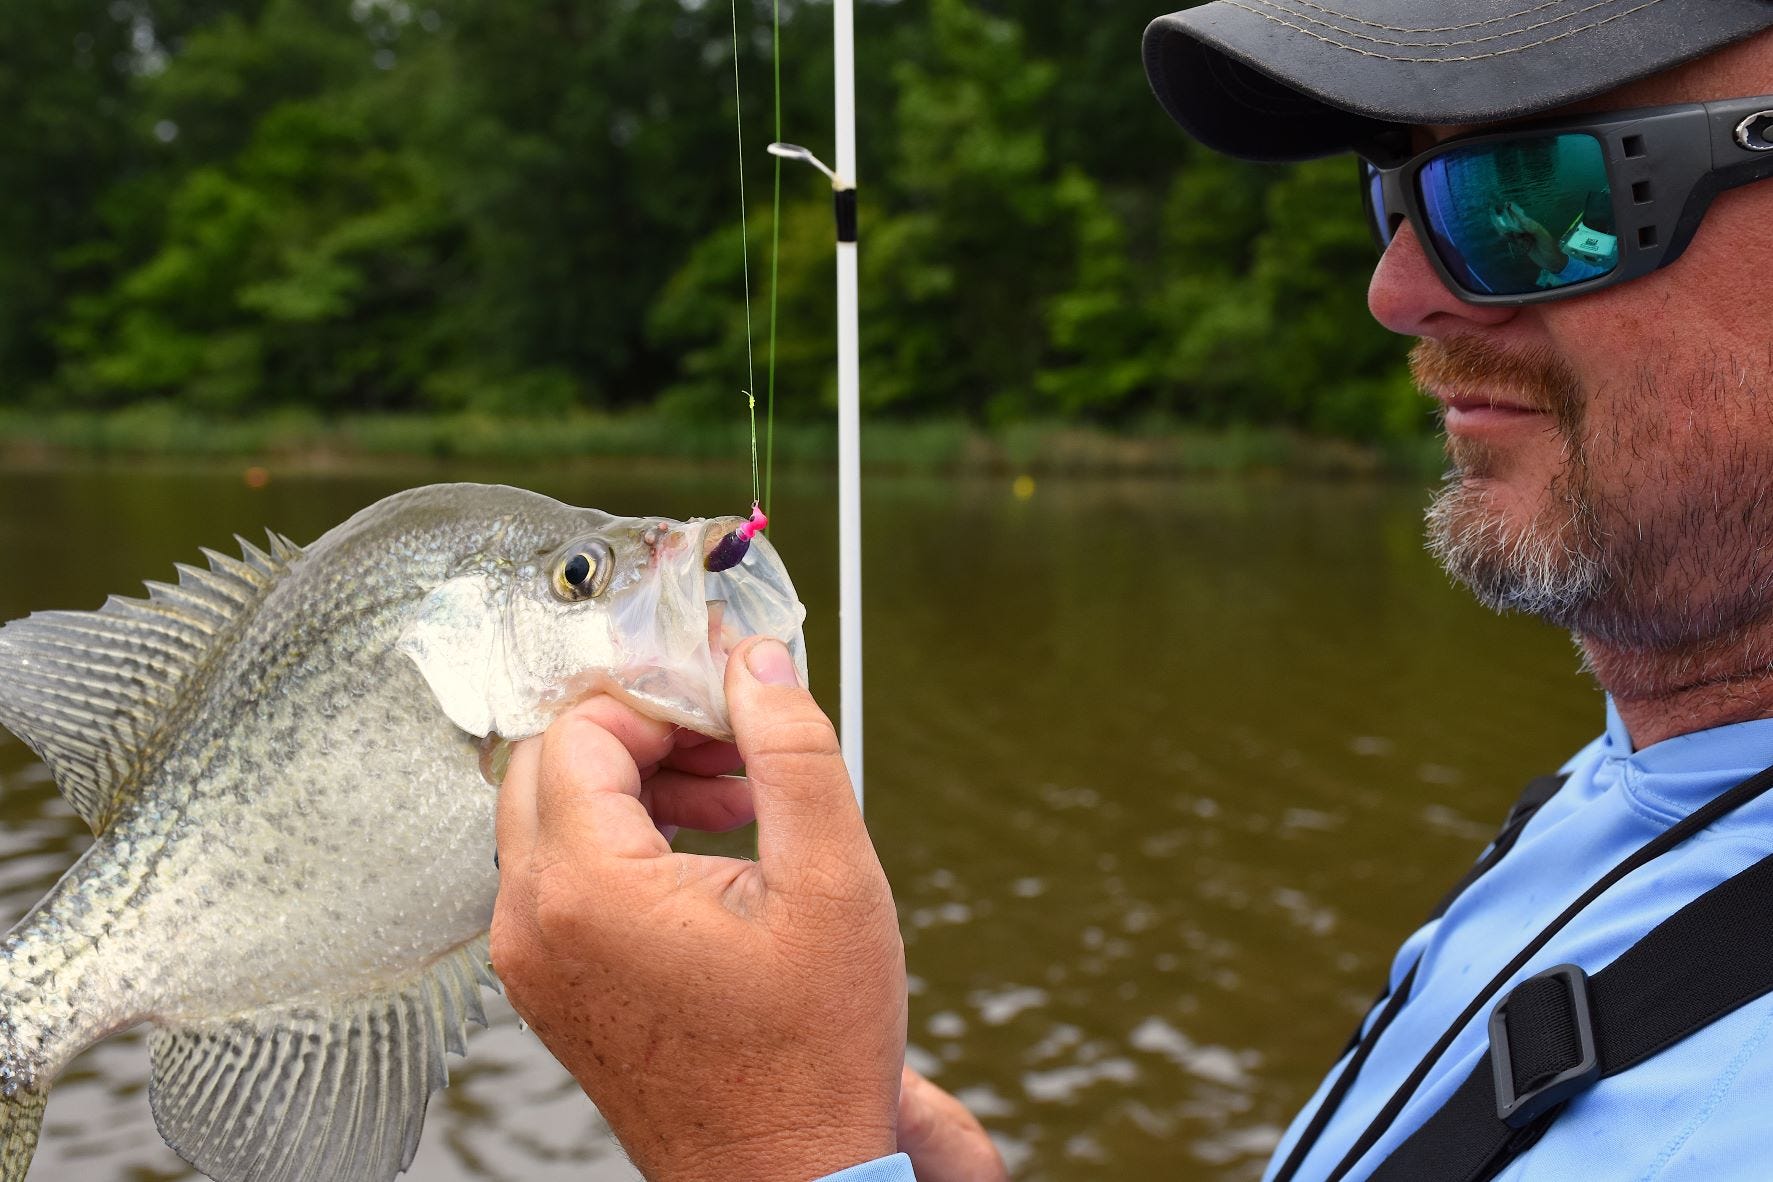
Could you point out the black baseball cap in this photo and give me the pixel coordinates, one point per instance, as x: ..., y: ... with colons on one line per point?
x: 1295, y: 79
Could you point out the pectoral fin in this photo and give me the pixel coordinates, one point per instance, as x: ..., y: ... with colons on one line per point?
x: 453, y: 637
x: 458, y: 636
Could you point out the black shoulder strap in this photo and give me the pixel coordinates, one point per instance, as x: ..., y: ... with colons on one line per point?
x: 1560, y: 1031
x: 1695, y: 822
x: 1536, y: 793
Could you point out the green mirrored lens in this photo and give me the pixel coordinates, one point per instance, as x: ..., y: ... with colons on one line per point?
x: 1513, y: 216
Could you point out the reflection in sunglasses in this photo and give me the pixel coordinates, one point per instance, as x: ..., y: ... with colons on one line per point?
x: 1517, y: 215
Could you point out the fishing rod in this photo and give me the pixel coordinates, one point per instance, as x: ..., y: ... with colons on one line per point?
x: 849, y: 415
x: 849, y: 384
x: 849, y: 395
x: 849, y: 370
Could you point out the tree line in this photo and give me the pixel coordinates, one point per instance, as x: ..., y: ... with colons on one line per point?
x: 520, y: 207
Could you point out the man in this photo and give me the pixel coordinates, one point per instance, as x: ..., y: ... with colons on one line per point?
x: 1610, y: 429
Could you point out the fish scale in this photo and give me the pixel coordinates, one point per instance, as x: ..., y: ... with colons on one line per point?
x: 292, y: 876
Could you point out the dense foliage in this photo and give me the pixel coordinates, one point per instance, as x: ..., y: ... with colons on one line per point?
x: 520, y: 206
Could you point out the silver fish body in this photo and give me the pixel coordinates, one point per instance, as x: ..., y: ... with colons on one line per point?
x: 281, y: 756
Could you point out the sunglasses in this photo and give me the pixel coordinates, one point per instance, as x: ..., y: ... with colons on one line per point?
x: 1569, y: 206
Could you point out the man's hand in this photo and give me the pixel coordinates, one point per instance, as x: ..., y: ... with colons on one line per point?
x: 730, y: 1019
x: 946, y: 1143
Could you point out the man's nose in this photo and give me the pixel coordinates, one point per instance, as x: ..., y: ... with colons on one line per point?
x: 1407, y: 296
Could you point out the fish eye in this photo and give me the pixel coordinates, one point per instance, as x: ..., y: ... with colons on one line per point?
x: 583, y: 571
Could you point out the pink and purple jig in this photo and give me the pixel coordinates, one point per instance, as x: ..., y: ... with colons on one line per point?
x: 730, y: 551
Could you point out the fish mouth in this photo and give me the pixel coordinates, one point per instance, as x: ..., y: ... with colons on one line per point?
x: 700, y: 616
x: 753, y: 598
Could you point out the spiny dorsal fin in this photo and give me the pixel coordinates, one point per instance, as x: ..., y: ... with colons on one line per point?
x: 90, y: 690
x: 317, y: 1092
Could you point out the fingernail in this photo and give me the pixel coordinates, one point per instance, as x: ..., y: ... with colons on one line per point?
x: 770, y: 663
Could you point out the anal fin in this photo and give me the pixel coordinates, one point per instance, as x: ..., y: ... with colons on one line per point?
x: 317, y: 1092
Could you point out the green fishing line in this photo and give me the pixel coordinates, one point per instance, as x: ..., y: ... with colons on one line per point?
x: 775, y: 258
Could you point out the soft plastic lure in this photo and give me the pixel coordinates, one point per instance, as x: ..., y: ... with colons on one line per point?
x: 730, y: 551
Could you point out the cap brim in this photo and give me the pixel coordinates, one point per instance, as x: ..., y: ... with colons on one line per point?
x: 1290, y: 80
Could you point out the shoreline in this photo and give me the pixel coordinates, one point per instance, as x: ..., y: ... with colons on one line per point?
x: 301, y: 441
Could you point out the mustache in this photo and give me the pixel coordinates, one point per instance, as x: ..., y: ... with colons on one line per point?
x: 1536, y: 373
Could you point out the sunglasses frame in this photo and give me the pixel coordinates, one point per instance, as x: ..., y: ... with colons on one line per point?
x: 1664, y: 167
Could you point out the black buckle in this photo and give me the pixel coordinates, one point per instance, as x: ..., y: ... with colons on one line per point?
x: 1519, y: 1111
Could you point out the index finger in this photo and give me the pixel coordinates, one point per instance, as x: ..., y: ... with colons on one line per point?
x: 587, y: 795
x: 585, y: 764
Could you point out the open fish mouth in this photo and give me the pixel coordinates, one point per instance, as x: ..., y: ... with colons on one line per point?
x: 699, y: 617
x: 754, y: 598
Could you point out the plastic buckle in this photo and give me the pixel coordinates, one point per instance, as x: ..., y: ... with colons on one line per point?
x: 1518, y: 1111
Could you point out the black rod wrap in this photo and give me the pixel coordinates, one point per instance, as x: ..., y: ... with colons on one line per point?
x: 846, y: 215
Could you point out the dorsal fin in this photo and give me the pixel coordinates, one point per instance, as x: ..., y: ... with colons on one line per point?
x: 90, y: 690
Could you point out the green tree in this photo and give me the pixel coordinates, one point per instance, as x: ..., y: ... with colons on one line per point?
x: 596, y: 153
x: 1267, y: 323
x: 700, y: 317
x: 305, y: 265
x: 957, y: 267
x: 523, y: 206
x: 72, y: 134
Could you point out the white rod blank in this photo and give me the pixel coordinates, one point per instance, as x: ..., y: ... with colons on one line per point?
x: 849, y: 513
x: 849, y: 414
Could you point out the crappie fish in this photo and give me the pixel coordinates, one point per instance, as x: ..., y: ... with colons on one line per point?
x: 282, y: 759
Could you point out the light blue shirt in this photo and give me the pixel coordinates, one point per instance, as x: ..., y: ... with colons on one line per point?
x: 896, y: 1168
x: 1698, y: 1110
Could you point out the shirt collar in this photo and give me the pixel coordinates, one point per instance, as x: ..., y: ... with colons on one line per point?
x: 1687, y: 769
x: 1618, y: 739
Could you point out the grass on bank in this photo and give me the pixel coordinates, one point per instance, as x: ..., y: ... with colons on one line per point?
x: 939, y: 446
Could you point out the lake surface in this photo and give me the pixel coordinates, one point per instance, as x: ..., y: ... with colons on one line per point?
x: 1162, y: 772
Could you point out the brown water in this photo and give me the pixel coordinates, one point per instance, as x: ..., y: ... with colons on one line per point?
x: 1161, y: 771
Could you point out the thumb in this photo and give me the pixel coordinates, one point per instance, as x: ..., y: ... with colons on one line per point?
x: 806, y: 809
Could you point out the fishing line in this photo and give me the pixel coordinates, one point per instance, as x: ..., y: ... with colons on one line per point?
x: 775, y: 255
x: 745, y: 252
x: 730, y: 550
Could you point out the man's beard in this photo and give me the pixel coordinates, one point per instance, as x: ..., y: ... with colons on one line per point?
x: 1547, y: 567
x: 1674, y: 554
